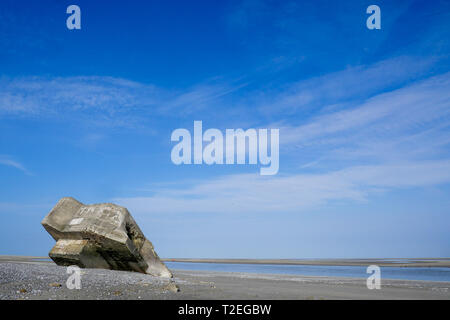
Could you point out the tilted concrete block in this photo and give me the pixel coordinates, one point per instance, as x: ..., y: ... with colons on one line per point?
x: 100, y: 236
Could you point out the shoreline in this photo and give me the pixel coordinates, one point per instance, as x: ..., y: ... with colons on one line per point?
x: 388, y: 262
x: 382, y: 262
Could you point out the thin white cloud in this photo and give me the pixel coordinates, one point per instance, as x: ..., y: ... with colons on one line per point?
x: 198, y: 98
x: 409, y: 122
x: 105, y: 100
x: 252, y: 193
x: 113, y: 101
x: 404, y: 133
x: 90, y: 98
x: 7, y: 161
x: 389, y: 142
x: 353, y: 83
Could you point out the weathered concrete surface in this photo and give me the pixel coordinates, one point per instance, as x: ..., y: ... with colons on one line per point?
x: 100, y: 236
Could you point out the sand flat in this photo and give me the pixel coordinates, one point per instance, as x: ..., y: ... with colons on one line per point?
x: 36, y: 279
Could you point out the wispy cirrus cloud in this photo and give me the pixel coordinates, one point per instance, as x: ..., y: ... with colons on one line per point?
x: 252, y: 193
x: 351, y: 84
x: 400, y: 134
x: 391, y: 141
x: 407, y: 123
x: 104, y: 98
x: 113, y: 101
x: 8, y: 161
x: 107, y: 100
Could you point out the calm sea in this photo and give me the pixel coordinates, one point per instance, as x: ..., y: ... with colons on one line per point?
x: 409, y: 273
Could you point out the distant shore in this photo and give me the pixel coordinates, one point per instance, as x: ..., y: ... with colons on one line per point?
x: 388, y: 262
x: 391, y: 262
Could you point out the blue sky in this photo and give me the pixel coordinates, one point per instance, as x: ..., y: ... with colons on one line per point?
x: 364, y: 119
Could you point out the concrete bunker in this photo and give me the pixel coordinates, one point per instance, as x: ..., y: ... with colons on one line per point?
x: 100, y: 236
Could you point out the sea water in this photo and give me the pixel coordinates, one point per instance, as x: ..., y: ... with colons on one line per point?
x: 404, y: 273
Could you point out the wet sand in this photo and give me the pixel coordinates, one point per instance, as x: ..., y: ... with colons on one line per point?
x: 35, y: 278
